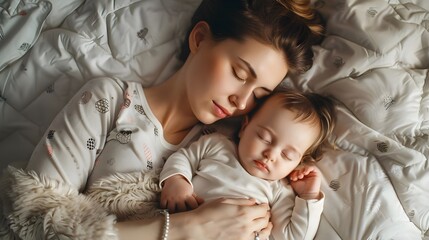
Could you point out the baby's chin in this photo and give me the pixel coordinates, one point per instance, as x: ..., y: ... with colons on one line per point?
x: 257, y: 173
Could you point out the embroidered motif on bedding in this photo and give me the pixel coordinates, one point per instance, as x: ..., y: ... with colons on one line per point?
x: 382, y: 147
x: 338, y: 61
x: 334, y: 184
x: 388, y: 102
x: 50, y: 89
x: 372, y: 12
x: 411, y: 214
x: 51, y: 134
x: 24, y: 47
x: 142, y: 35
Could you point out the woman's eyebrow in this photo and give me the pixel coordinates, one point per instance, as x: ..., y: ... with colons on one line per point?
x: 252, y: 71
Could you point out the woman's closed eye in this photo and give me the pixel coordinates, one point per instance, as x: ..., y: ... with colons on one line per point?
x: 240, y: 74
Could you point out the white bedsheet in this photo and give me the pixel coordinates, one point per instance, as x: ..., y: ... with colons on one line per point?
x: 374, y: 61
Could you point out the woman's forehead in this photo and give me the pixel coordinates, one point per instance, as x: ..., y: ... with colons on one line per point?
x: 267, y: 62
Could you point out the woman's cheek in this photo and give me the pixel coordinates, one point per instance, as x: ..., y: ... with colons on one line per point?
x: 219, y: 71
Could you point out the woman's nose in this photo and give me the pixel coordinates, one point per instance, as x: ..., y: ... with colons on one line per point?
x: 240, y: 100
x: 237, y: 102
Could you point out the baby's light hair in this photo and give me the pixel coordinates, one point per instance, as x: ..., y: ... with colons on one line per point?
x: 314, y: 109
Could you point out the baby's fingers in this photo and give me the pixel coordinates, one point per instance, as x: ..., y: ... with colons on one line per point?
x: 308, y: 169
x: 192, y: 202
x: 199, y: 200
x: 295, y: 175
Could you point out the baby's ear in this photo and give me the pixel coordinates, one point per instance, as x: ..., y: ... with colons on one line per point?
x: 244, y: 124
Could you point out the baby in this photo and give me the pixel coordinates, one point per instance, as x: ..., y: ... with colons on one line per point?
x: 287, y: 129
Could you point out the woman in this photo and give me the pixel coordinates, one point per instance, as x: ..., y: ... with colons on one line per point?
x: 237, y: 52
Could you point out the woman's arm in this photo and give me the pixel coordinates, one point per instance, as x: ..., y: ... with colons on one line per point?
x: 35, y: 207
x: 227, y: 219
x: 72, y: 142
x: 38, y: 202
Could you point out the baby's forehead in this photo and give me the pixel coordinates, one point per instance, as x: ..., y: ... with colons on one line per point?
x: 273, y: 103
x: 278, y: 103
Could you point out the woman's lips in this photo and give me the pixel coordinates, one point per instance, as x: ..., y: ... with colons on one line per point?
x: 220, y: 112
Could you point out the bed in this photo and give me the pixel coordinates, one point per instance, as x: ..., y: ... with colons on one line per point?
x: 374, y: 62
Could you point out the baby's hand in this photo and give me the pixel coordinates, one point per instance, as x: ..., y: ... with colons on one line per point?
x: 305, y: 181
x: 177, y: 195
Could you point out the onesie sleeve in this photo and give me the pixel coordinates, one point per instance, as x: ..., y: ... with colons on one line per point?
x: 185, y: 161
x: 296, y: 218
x: 68, y: 150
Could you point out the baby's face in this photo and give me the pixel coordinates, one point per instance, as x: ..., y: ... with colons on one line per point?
x: 273, y: 143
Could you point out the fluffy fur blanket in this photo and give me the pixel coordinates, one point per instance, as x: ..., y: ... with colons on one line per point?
x: 36, y: 207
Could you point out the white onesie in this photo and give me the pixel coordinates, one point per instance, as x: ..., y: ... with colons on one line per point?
x: 106, y: 128
x: 212, y: 167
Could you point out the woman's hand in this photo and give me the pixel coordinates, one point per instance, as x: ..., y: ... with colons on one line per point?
x: 226, y: 219
x: 306, y: 181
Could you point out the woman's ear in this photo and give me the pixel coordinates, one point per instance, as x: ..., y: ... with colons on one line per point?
x: 200, y: 32
x: 243, y: 125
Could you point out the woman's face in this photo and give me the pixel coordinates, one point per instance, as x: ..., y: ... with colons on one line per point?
x: 224, y: 78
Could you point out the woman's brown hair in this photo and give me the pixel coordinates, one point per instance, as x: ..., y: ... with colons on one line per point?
x: 291, y: 26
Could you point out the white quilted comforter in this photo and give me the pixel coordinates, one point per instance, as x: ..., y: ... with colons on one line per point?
x: 374, y: 61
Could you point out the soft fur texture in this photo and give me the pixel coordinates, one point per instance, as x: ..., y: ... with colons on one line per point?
x: 128, y: 196
x: 35, y: 207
